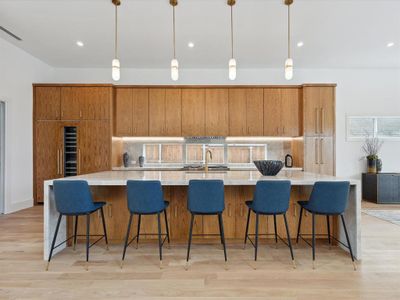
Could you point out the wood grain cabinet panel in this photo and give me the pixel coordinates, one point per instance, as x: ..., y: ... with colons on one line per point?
x: 95, y: 102
x: 237, y: 112
x: 47, y: 103
x: 70, y: 103
x: 48, y: 146
x: 193, y: 112
x: 319, y: 111
x: 140, y: 112
x: 217, y: 112
x: 319, y: 155
x: 255, y: 112
x: 173, y: 112
x: 156, y: 112
x: 123, y: 112
x: 272, y: 112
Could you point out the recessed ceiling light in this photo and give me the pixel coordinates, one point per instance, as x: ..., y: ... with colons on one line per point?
x: 390, y: 44
x: 300, y: 44
x: 80, y: 43
x: 191, y: 45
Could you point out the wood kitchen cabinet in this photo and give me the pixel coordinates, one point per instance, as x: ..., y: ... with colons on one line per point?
x: 282, y: 112
x: 319, y: 155
x: 319, y: 110
x: 47, y: 103
x: 246, y: 112
x: 165, y: 112
x: 131, y: 112
x: 217, y: 112
x: 193, y: 112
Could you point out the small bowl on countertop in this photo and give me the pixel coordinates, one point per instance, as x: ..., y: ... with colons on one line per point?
x: 268, y: 167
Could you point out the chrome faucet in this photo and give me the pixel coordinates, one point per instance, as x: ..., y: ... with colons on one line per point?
x: 208, y: 154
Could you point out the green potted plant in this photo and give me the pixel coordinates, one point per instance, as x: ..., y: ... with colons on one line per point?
x: 371, y: 147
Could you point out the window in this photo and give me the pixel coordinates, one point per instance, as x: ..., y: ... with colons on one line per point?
x: 381, y: 127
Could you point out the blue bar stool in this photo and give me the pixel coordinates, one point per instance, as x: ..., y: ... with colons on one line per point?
x: 206, y: 197
x: 271, y: 198
x: 146, y: 198
x: 328, y: 199
x: 73, y: 198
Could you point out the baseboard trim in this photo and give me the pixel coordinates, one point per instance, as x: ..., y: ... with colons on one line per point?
x: 13, y: 207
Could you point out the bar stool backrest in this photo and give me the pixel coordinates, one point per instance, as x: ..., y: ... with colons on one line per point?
x: 206, y: 196
x: 272, y: 196
x: 329, y: 197
x: 73, y: 196
x: 145, y: 196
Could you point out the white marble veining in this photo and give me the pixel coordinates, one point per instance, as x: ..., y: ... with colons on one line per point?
x: 182, y: 178
x: 178, y: 167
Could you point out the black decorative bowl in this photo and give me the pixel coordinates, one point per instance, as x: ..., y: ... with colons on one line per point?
x: 269, y: 167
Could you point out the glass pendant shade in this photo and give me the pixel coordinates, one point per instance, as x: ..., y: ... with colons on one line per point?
x: 116, y: 69
x: 174, y: 69
x: 232, y: 69
x: 289, y: 69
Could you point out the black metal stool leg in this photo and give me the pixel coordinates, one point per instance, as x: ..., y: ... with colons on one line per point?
x: 75, y: 231
x: 313, y: 240
x: 348, y: 242
x: 159, y: 238
x: 53, y: 243
x: 126, y: 238
x: 87, y: 239
x: 247, y: 228
x: 220, y: 230
x: 138, y: 231
x: 166, y: 225
x: 329, y: 229
x: 289, y: 240
x: 256, y: 243
x: 104, y: 226
x: 222, y: 234
x: 276, y: 231
x: 190, y: 240
x: 299, y: 226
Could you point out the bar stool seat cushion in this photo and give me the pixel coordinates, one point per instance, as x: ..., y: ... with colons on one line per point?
x: 96, y: 206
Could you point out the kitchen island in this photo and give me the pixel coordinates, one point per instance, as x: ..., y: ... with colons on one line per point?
x: 109, y: 186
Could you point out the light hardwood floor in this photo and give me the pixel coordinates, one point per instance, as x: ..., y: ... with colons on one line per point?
x: 22, y: 274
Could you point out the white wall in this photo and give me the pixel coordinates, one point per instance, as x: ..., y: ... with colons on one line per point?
x: 18, y: 70
x: 359, y: 92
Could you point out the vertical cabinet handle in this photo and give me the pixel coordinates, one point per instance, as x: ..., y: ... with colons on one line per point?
x: 322, y: 120
x: 61, y: 162
x: 176, y: 211
x: 79, y: 162
x: 229, y: 210
x: 58, y: 161
x: 321, y: 141
x: 316, y: 120
x: 80, y: 114
x: 241, y: 210
x: 110, y: 210
x: 316, y: 151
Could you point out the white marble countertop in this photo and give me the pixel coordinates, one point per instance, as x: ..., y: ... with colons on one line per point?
x: 179, y: 168
x: 181, y: 178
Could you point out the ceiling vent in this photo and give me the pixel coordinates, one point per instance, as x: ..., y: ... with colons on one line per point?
x: 10, y: 33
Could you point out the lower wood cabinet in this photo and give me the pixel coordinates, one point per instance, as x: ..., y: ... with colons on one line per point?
x: 319, y: 155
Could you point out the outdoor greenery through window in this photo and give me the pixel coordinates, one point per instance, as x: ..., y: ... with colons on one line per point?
x: 380, y: 127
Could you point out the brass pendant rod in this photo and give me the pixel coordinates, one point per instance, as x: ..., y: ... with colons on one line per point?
x: 116, y: 32
x: 289, y: 32
x: 232, y: 31
x: 173, y: 30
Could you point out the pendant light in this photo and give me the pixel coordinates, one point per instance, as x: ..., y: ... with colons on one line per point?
x: 174, y: 61
x: 232, y: 61
x: 289, y: 60
x: 116, y: 66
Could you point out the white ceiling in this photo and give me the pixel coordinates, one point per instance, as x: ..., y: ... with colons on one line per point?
x: 336, y: 33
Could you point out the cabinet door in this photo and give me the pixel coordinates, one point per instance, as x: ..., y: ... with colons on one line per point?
x: 48, y: 151
x: 237, y: 115
x: 47, y: 103
x: 327, y: 112
x: 272, y: 112
x: 156, y: 112
x: 140, y: 112
x: 95, y: 102
x: 255, y: 112
x: 326, y: 156
x: 217, y: 112
x: 193, y: 112
x: 173, y: 112
x: 311, y: 154
x: 290, y: 105
x: 94, y: 146
x: 123, y: 112
x: 70, y: 103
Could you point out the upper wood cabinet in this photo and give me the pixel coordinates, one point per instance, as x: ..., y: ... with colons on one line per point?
x: 165, y: 112
x: 282, y: 112
x: 193, y: 112
x: 47, y: 101
x: 131, y: 112
x: 217, y: 112
x: 246, y: 112
x: 319, y: 110
x: 86, y: 103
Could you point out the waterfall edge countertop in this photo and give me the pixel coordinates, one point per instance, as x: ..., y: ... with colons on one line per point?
x: 179, y: 179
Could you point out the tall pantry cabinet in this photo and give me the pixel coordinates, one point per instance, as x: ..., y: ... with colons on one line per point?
x: 71, y: 132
